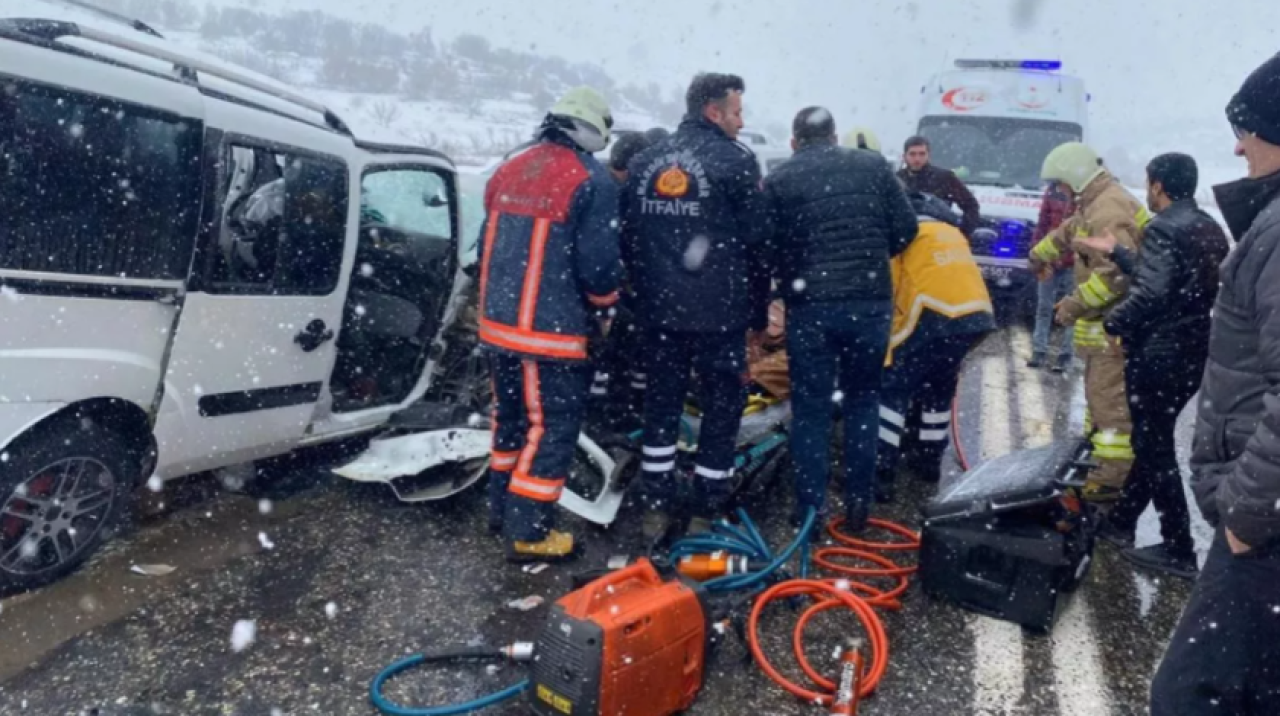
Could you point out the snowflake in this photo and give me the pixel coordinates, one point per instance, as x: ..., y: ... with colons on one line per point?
x: 243, y: 634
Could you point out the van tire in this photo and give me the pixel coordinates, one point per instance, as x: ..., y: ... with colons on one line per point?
x: 42, y: 463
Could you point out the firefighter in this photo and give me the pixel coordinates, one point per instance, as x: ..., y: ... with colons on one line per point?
x: 694, y: 221
x: 1101, y: 205
x: 549, y: 273
x: 941, y: 309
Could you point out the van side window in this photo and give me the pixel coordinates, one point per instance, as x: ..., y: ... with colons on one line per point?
x: 413, y: 200
x: 95, y: 187
x: 283, y: 222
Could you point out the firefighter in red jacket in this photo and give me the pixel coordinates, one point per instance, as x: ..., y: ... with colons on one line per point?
x: 549, y: 273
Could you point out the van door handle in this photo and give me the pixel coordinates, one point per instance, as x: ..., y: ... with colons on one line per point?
x: 313, y: 336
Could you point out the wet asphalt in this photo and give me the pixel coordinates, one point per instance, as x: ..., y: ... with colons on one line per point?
x: 341, y: 579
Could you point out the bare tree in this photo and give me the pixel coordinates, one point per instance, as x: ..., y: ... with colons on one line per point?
x: 385, y: 112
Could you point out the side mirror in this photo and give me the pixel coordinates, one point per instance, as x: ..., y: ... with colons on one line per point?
x: 436, y: 201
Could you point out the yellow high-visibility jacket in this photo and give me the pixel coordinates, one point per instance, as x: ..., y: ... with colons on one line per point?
x: 937, y: 274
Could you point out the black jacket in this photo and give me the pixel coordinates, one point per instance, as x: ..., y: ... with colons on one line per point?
x: 693, y: 224
x: 1175, y: 282
x: 944, y: 184
x: 839, y: 216
x: 1235, y: 457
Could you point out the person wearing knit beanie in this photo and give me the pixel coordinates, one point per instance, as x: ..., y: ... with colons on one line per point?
x: 1224, y: 656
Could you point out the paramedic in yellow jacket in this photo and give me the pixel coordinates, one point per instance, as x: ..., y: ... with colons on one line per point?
x: 941, y: 309
x: 1102, y: 206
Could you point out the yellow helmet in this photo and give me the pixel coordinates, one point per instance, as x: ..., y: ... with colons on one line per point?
x: 588, y: 111
x: 861, y: 138
x: 1074, y: 164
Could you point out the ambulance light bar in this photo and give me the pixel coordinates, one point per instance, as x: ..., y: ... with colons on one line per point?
x: 1047, y: 65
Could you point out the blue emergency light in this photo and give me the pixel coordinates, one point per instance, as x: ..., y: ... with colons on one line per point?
x: 1042, y: 65
x: 1006, y: 244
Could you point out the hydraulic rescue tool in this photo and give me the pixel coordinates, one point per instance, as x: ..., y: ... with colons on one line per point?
x: 636, y: 641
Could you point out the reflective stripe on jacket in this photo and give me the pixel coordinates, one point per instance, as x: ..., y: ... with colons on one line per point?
x: 1104, y: 206
x: 937, y: 272
x: 549, y: 252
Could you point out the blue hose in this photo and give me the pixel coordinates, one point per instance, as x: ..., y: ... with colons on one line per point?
x: 381, y: 703
x: 745, y: 542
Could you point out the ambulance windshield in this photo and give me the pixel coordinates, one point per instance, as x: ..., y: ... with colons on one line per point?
x: 996, y: 151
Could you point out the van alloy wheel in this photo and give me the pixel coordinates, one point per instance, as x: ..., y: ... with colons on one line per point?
x: 53, y: 516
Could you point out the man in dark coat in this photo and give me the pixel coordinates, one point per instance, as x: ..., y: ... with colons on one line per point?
x: 1164, y: 322
x: 693, y: 219
x: 921, y: 177
x: 1224, y: 657
x: 839, y: 216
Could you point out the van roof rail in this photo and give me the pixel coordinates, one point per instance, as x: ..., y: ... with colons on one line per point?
x: 187, y: 67
x: 133, y: 22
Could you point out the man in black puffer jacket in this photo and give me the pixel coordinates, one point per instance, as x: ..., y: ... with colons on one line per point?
x: 840, y: 216
x: 693, y: 218
x: 1224, y: 657
x: 1164, y: 321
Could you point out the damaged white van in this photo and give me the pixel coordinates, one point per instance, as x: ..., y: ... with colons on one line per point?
x: 198, y: 268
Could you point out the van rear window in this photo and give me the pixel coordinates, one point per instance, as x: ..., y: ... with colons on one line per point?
x: 93, y: 186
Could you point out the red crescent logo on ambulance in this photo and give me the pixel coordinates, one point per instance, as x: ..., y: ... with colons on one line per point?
x: 963, y: 99
x: 1032, y: 99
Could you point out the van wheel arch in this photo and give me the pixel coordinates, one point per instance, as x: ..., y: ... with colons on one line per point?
x: 47, y: 503
x: 124, y: 419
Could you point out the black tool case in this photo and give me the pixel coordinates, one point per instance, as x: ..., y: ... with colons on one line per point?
x: 1010, y: 538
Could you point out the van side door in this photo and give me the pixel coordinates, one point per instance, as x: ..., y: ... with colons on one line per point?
x: 255, y: 342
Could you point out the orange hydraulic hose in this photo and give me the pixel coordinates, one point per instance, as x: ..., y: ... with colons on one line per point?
x: 862, y: 599
x: 866, y: 614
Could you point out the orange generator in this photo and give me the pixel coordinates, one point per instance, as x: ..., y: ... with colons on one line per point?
x: 628, y: 644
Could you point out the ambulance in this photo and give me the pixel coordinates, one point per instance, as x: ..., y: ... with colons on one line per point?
x: 993, y: 122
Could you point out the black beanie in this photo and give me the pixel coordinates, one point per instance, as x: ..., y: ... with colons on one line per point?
x: 1256, y: 107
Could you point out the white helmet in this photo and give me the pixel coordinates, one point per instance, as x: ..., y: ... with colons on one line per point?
x: 862, y: 138
x: 584, y: 116
x: 1074, y: 164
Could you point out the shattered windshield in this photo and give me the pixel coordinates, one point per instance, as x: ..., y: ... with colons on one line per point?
x: 994, y: 150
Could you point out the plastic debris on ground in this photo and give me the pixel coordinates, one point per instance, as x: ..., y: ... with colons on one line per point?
x: 153, y: 570
x: 527, y: 603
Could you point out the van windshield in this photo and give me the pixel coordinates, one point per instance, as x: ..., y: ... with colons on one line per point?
x: 997, y: 151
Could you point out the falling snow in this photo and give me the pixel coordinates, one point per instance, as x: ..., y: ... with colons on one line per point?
x: 696, y: 253
x: 243, y: 634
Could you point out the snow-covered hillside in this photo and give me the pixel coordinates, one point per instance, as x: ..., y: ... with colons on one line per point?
x: 462, y: 97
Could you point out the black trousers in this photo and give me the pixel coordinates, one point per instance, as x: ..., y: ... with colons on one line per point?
x: 720, y: 363
x: 915, y: 401
x: 1224, y: 657
x: 1158, y: 388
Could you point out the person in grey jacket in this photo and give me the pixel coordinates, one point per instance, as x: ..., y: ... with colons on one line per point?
x: 1224, y: 657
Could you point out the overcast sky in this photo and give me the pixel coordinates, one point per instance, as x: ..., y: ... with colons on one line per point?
x: 1156, y: 68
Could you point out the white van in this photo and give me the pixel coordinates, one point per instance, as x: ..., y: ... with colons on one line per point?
x: 993, y: 122
x: 198, y: 268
